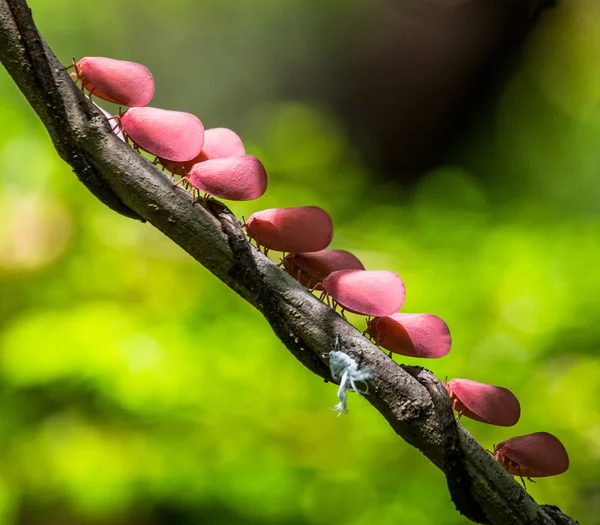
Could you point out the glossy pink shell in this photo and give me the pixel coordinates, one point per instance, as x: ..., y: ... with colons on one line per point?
x: 309, y: 269
x: 490, y: 404
x: 172, y: 135
x: 233, y: 178
x: 118, y: 81
x: 218, y: 143
x: 303, y: 229
x: 366, y: 292
x: 533, y: 455
x: 222, y: 142
x: 413, y: 335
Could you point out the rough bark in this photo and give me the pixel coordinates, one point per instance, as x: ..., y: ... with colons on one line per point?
x: 410, y: 398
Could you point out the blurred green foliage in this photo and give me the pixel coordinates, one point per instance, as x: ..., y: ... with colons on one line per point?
x: 136, y: 388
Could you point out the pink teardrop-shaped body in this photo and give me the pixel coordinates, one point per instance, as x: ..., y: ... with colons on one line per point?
x: 171, y: 135
x: 309, y: 269
x: 233, y: 178
x: 302, y: 229
x: 366, y: 292
x: 117, y: 81
x: 413, y: 335
x: 222, y: 142
x: 533, y: 455
x: 490, y: 404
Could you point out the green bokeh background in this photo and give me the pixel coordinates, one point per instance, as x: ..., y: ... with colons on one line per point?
x: 135, y: 388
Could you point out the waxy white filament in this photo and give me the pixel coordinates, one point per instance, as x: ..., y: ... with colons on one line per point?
x: 345, y: 369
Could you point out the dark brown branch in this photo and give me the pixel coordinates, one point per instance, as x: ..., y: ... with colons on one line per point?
x: 454, y: 466
x: 413, y: 402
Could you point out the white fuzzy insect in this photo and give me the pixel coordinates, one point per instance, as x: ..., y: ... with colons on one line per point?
x: 345, y: 370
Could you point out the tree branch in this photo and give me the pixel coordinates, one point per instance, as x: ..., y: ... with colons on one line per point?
x: 410, y: 398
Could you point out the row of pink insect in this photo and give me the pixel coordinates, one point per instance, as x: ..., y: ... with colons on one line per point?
x: 214, y: 162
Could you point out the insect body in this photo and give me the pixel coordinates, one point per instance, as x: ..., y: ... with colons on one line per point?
x: 117, y: 81
x: 233, y: 178
x: 172, y: 135
x: 413, y: 335
x: 366, y: 292
x: 490, y: 404
x: 222, y: 142
x: 302, y: 229
x: 532, y: 455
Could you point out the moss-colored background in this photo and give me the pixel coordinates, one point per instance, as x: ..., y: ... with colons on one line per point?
x: 136, y: 389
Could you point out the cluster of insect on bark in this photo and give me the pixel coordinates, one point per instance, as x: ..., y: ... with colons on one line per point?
x: 213, y: 163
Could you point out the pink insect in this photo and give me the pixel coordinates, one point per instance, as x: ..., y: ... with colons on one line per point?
x: 366, y: 292
x: 118, y: 81
x: 309, y: 269
x: 233, y: 178
x: 490, y: 404
x: 413, y: 335
x: 172, y: 135
x: 532, y: 456
x: 218, y: 143
x: 302, y: 229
